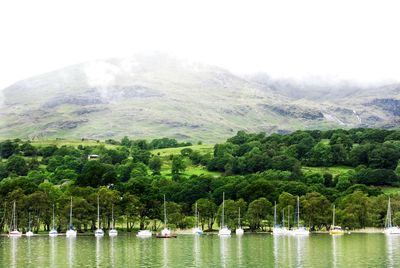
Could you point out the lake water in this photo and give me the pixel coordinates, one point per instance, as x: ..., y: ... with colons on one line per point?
x: 251, y: 250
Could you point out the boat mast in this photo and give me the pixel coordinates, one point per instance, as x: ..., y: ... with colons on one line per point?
x: 223, y: 209
x: 195, y: 214
x: 53, y: 217
x: 389, y: 216
x: 283, y: 217
x: 239, y: 219
x: 98, y: 210
x: 333, y: 224
x: 112, y: 216
x: 70, y: 215
x: 29, y: 221
x: 288, y: 217
x: 165, y: 214
x: 298, y: 213
x: 14, y: 218
x: 274, y: 214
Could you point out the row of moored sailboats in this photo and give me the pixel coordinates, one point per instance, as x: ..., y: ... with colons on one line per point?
x: 224, y: 230
x: 282, y: 230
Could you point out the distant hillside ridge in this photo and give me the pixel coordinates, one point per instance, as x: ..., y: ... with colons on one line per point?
x: 159, y: 95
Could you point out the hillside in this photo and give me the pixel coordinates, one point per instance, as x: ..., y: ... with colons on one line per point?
x: 158, y: 95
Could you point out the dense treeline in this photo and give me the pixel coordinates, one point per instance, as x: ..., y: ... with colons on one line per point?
x: 373, y: 152
x: 256, y: 171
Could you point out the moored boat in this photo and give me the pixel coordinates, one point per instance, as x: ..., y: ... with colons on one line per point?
x: 13, y: 226
x: 224, y: 230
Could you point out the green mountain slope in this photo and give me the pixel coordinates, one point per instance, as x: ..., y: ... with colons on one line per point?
x: 157, y: 95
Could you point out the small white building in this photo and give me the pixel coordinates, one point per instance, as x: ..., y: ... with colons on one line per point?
x: 93, y: 157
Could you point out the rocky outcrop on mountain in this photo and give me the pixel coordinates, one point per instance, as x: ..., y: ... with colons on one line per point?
x: 152, y: 96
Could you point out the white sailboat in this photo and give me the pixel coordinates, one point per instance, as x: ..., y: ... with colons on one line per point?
x: 53, y: 232
x: 144, y: 233
x: 99, y: 232
x: 300, y: 230
x: 279, y: 229
x: 13, y: 226
x: 239, y: 230
x: 113, y: 231
x: 70, y: 232
x: 29, y: 232
x: 196, y: 230
x: 166, y: 232
x: 224, y: 230
x: 389, y: 227
x: 335, y: 230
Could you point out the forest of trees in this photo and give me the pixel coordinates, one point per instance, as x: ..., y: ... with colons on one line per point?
x: 256, y: 171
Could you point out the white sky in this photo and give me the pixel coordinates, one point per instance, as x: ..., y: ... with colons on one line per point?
x: 357, y: 40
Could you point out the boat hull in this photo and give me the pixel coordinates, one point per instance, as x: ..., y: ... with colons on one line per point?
x: 239, y: 231
x: 144, y: 234
x: 224, y: 232
x: 53, y: 233
x: 15, y: 234
x: 392, y: 231
x: 71, y: 233
x: 197, y: 231
x: 113, y: 232
x: 99, y: 233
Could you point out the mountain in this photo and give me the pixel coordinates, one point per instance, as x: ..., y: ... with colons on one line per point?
x: 156, y: 95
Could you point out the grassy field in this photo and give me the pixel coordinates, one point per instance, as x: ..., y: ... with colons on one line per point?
x: 74, y: 143
x: 203, y: 149
x: 190, y: 168
x: 333, y: 170
x: 391, y: 190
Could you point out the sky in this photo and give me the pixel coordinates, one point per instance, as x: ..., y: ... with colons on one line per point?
x: 356, y: 40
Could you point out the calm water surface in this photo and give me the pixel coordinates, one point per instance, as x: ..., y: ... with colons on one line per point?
x: 251, y: 250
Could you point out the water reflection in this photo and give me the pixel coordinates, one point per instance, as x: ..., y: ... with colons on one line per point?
x: 224, y: 250
x: 334, y: 253
x: 112, y: 251
x: 279, y: 245
x: 53, y: 251
x: 392, y: 249
x: 165, y: 252
x: 70, y: 250
x: 99, y: 245
x: 196, y: 249
x: 239, y: 250
x: 14, y: 249
x: 300, y: 244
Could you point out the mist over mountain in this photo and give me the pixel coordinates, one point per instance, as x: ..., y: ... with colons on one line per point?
x: 156, y: 95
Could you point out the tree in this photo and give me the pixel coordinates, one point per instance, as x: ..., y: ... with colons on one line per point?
x: 257, y: 212
x: 17, y: 164
x: 7, y: 149
x: 93, y: 172
x: 355, y: 210
x: 316, y: 209
x: 178, y: 165
x: 207, y: 210
x: 155, y: 164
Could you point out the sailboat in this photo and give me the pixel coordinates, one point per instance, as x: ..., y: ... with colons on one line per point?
x: 389, y: 227
x: 166, y: 232
x: 223, y: 231
x: 13, y: 226
x: 29, y: 233
x: 196, y: 230
x: 113, y: 231
x: 70, y: 232
x: 239, y: 230
x: 99, y: 232
x: 335, y: 230
x: 300, y: 230
x: 279, y: 229
x: 53, y: 232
